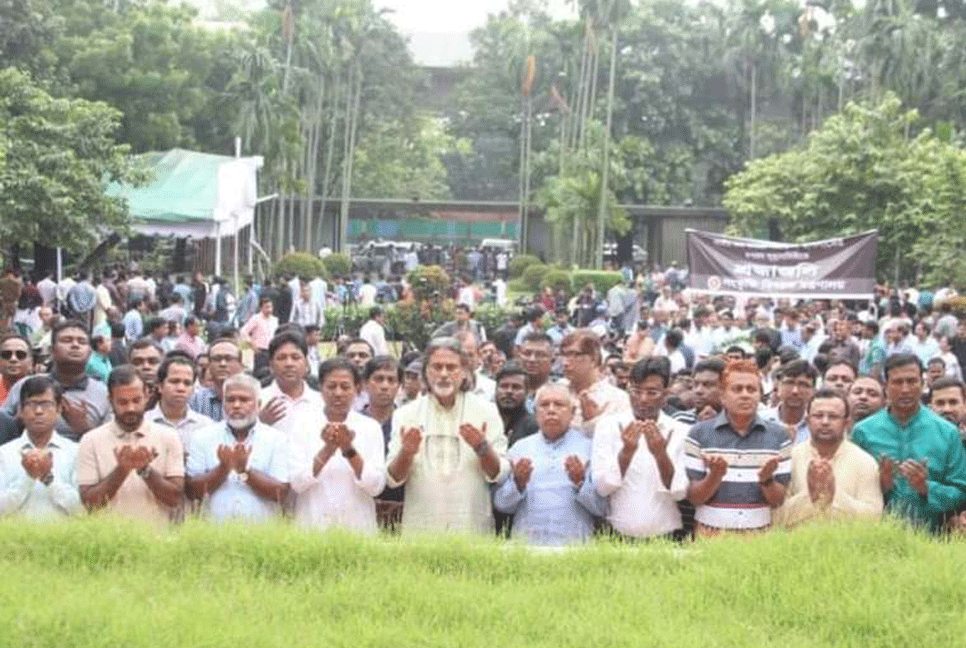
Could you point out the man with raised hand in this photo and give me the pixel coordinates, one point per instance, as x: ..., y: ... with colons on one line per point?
x: 84, y: 404
x: 638, y: 459
x: 832, y: 478
x: 595, y: 396
x: 738, y: 464
x: 922, y: 463
x: 448, y: 447
x: 37, y: 469
x: 239, y: 469
x: 131, y: 467
x: 550, y: 492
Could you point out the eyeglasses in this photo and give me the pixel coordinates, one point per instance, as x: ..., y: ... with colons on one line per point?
x: 39, y: 404
x: 570, y: 355
x: 6, y: 354
x: 801, y: 384
x: 222, y: 358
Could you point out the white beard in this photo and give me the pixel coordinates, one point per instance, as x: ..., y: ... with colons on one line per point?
x: 241, y: 423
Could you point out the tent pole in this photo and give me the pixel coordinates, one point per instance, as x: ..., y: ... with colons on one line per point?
x: 217, y: 272
x: 235, y: 264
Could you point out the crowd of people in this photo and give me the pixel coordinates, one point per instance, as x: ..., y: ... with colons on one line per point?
x: 646, y: 411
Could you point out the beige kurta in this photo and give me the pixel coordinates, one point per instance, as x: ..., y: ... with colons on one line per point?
x: 857, y: 490
x: 447, y: 489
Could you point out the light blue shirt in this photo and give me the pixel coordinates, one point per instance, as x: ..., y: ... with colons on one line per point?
x: 23, y: 496
x: 133, y: 326
x: 235, y: 499
x: 551, y: 510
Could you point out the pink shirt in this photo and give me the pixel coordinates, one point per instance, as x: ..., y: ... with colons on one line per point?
x: 193, y: 346
x: 259, y: 330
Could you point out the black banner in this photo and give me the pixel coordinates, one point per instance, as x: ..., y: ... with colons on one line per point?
x: 840, y: 268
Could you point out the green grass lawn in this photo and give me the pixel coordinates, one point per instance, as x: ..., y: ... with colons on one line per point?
x: 91, y: 584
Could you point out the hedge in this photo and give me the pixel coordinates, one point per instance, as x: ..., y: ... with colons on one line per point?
x: 338, y: 265
x: 558, y: 280
x: 429, y: 282
x: 602, y: 280
x: 520, y: 263
x: 300, y: 264
x: 534, y: 274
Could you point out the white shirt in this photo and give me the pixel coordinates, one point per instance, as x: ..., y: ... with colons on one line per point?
x: 608, y: 398
x: 640, y: 505
x: 336, y: 497
x: 367, y: 295
x: 319, y: 288
x: 467, y: 296
x: 500, y: 287
x: 447, y: 490
x: 235, y: 499
x: 186, y: 427
x: 485, y: 387
x: 48, y: 290
x: 64, y: 287
x: 24, y: 496
x: 373, y: 333
x: 302, y: 416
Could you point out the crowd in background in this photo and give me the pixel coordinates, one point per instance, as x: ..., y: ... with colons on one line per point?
x: 648, y: 410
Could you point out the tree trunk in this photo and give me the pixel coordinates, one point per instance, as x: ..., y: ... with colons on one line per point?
x: 347, y: 184
x: 330, y: 153
x: 605, y: 173
x: 754, y: 111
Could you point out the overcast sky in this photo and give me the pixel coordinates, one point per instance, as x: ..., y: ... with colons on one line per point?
x: 450, y: 15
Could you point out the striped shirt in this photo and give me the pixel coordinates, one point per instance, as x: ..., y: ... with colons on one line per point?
x: 738, y: 502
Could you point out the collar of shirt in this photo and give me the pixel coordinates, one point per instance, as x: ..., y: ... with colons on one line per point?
x: 156, y: 415
x: 56, y: 441
x: 124, y: 435
x: 78, y: 385
x: 722, y: 421
x: 913, y: 420
x: 308, y: 394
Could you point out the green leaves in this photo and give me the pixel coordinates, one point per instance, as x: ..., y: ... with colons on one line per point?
x: 58, y: 157
x: 861, y: 171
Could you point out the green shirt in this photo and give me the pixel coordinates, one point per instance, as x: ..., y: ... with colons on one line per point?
x: 926, y: 436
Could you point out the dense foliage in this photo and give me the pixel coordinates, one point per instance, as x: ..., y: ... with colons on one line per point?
x: 300, y: 264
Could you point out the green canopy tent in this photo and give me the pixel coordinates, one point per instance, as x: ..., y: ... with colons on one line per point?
x: 195, y: 195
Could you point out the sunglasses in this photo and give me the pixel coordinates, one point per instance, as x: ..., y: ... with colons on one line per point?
x: 7, y: 354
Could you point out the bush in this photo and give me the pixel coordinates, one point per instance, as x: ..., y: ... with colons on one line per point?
x: 516, y: 285
x: 338, y: 265
x: 558, y: 280
x: 534, y: 274
x: 429, y: 282
x: 602, y: 280
x: 300, y: 264
x: 520, y: 263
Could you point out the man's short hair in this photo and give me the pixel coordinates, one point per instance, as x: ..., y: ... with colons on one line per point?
x: 537, y: 336
x: 736, y: 367
x: 225, y: 340
x: 245, y: 382
x: 311, y: 328
x: 375, y: 312
x: 937, y: 360
x: 144, y: 343
x: 510, y: 368
x: 176, y: 358
x: 154, y: 323
x: 13, y: 336
x: 947, y: 382
x: 797, y: 368
x: 841, y: 362
x: 464, y: 306
x: 658, y: 366
x: 338, y: 363
x: 65, y: 324
x: 348, y: 344
x: 122, y: 376
x: 673, y: 338
x: 533, y: 314
x: 586, y: 341
x: 898, y: 360
x: 736, y: 349
x: 828, y: 392
x: 554, y: 386
x: 378, y: 363
x: 711, y: 364
x: 287, y: 337
x: 38, y: 385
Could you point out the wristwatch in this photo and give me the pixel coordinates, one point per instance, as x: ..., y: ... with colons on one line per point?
x: 144, y: 472
x: 350, y: 453
x: 47, y: 479
x: 482, y: 449
x: 243, y: 476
